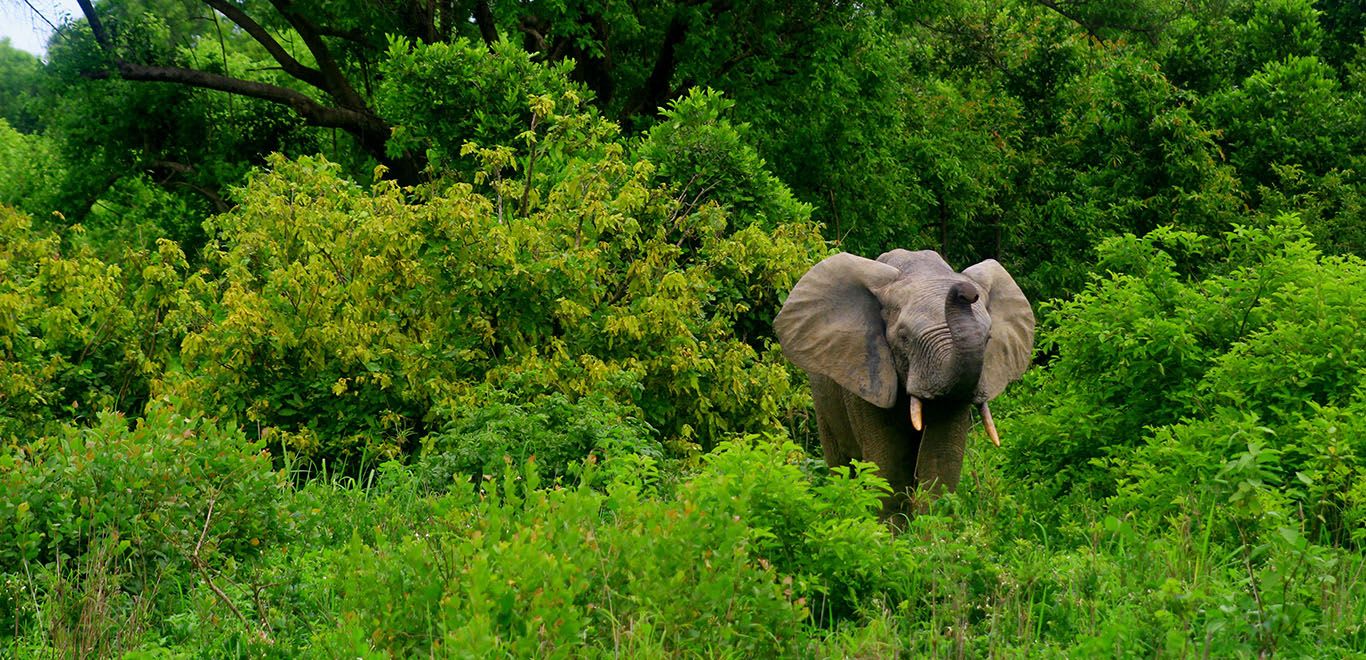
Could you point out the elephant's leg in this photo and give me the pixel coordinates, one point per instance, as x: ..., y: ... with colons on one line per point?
x: 939, y: 463
x: 852, y: 428
x: 887, y: 440
x: 832, y: 421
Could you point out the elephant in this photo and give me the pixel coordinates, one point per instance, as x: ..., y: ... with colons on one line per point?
x: 899, y: 352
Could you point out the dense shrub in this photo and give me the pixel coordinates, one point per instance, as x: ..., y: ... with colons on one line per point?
x: 706, y: 159
x: 346, y: 319
x: 79, y: 334
x: 734, y: 563
x: 32, y: 171
x: 151, y: 485
x: 1289, y: 112
x: 1164, y: 377
x: 551, y: 430
x: 822, y: 531
x: 1130, y: 153
x: 442, y: 96
x: 500, y: 375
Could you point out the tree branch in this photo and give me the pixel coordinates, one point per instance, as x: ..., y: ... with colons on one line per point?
x: 287, y: 62
x: 978, y: 41
x: 1093, y: 27
x: 306, y: 107
x: 96, y: 26
x: 354, y: 36
x: 40, y: 15
x: 353, y: 116
x: 337, y: 85
x: 203, y: 568
x: 1083, y: 24
x: 316, y: 113
x: 174, y: 168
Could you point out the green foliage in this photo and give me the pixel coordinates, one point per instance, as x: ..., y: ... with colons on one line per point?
x: 20, y: 86
x: 1128, y: 155
x: 346, y: 319
x: 730, y: 564
x: 33, y: 172
x: 707, y: 159
x: 528, y: 571
x: 1161, y: 377
x: 751, y: 552
x: 551, y: 430
x: 141, y: 162
x: 152, y: 485
x: 1290, y: 112
x: 441, y: 96
x: 1331, y: 205
x: 822, y: 532
x: 77, y: 334
x: 500, y: 373
x: 1279, y: 30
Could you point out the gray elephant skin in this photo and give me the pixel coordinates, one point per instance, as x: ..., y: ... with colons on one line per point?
x: 900, y: 351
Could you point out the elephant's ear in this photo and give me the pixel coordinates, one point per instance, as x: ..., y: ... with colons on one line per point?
x: 832, y: 325
x: 1012, y: 328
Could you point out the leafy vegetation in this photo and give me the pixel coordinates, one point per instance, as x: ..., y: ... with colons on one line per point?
x: 341, y: 329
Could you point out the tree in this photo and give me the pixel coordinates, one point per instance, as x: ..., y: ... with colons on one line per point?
x: 341, y: 106
x: 20, y: 80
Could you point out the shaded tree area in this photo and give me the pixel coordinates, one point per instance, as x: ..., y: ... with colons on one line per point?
x: 1027, y: 131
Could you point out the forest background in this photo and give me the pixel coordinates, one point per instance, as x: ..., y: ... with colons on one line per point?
x: 443, y: 328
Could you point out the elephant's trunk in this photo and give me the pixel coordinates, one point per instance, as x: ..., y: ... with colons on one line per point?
x: 944, y: 422
x: 969, y: 332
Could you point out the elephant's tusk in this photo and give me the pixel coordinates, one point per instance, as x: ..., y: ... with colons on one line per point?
x: 990, y: 425
x: 917, y: 421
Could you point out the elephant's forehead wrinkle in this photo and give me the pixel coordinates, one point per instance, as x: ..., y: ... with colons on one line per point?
x: 921, y: 263
x: 923, y: 294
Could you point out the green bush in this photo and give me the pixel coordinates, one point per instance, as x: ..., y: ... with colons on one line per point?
x: 348, y: 321
x: 33, y: 171
x: 1164, y: 378
x: 547, y: 573
x: 441, y: 96
x: 79, y: 334
x: 551, y: 430
x: 1289, y: 112
x: 150, y: 484
x: 99, y: 523
x: 750, y: 550
x: 824, y: 532
x: 1130, y: 153
x: 705, y: 158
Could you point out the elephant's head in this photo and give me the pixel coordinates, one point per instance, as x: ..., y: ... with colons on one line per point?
x: 908, y: 328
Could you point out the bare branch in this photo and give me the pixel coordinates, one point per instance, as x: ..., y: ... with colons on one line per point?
x: 337, y: 85
x: 203, y: 568
x: 39, y: 14
x: 96, y: 26
x: 287, y: 62
x: 316, y: 113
